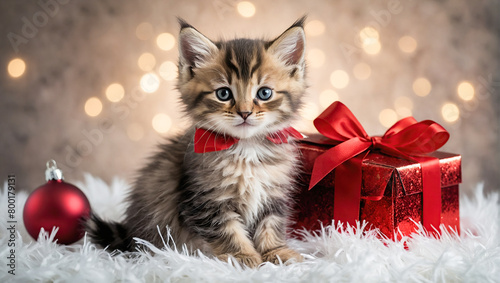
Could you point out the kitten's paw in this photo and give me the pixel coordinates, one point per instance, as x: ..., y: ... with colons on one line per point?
x: 250, y: 260
x: 284, y: 253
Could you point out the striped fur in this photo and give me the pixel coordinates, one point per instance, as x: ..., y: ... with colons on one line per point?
x: 231, y: 203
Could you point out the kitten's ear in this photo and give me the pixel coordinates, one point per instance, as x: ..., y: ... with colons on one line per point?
x: 194, y: 47
x: 289, y: 47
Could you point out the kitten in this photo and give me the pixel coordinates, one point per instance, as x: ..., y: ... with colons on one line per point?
x: 231, y: 199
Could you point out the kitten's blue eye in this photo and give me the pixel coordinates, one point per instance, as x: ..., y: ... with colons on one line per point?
x: 224, y: 94
x: 264, y: 93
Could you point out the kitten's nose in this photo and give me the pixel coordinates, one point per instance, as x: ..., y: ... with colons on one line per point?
x: 244, y: 115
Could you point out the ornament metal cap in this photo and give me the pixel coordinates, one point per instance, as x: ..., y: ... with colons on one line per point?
x: 52, y: 172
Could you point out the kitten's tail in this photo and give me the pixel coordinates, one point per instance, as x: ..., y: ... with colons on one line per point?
x: 108, y: 234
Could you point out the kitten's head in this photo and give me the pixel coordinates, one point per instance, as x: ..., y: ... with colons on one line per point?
x: 242, y: 87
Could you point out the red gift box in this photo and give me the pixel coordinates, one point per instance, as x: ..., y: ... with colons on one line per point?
x: 391, y: 193
x: 393, y: 182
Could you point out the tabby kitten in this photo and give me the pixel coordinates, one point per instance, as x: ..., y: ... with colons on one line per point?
x: 225, y: 185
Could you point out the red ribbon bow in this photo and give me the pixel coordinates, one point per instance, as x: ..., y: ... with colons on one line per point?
x: 208, y: 141
x: 407, y: 138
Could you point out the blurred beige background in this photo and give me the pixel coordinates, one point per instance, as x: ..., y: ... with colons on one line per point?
x: 91, y: 84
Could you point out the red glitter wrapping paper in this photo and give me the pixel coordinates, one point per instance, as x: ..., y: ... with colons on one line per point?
x: 391, y: 193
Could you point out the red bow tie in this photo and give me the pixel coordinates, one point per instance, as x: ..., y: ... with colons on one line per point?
x: 208, y: 141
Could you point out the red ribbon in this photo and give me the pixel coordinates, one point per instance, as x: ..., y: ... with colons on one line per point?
x: 407, y: 139
x: 209, y: 141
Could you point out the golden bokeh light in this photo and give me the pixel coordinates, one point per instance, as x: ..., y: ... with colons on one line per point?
x: 146, y: 62
x: 466, y: 91
x: 327, y: 97
x: 370, y: 40
x: 362, y: 71
x: 16, y: 67
x: 310, y: 111
x: 388, y: 117
x: 403, y: 101
x: 404, y: 106
x: 315, y: 58
x: 135, y: 132
x: 162, y: 123
x: 404, y: 112
x: 115, y: 92
x: 339, y: 79
x: 422, y: 87
x: 450, y: 112
x: 93, y: 106
x: 368, y: 35
x: 150, y: 82
x: 372, y: 48
x: 168, y: 70
x: 314, y: 28
x: 407, y: 44
x: 165, y: 41
x: 246, y: 9
x: 144, y: 31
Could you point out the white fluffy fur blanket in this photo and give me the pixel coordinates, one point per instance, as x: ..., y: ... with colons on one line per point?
x: 331, y: 256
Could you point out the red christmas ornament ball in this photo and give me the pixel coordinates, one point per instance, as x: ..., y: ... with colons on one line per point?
x: 57, y: 204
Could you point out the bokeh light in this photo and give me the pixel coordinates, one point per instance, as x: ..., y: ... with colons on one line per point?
x: 168, y: 70
x: 422, y: 87
x: 135, y: 132
x: 327, y: 97
x: 165, y: 41
x: 146, y: 62
x: 407, y: 44
x: 315, y: 58
x: 372, y: 48
x: 450, y: 112
x: 339, y: 79
x: 368, y: 35
x: 150, y: 82
x: 314, y: 28
x: 162, y: 123
x: 246, y: 9
x: 115, y: 92
x: 404, y: 106
x: 144, y: 31
x: 388, y: 117
x: 404, y: 112
x: 370, y: 40
x: 93, y: 106
x: 310, y: 111
x: 466, y: 91
x: 362, y: 71
x: 16, y: 67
